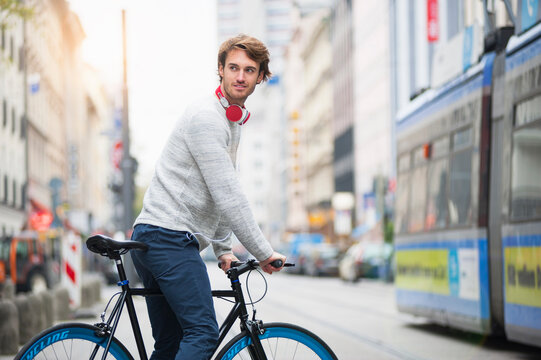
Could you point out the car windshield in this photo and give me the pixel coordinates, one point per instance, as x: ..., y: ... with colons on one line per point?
x: 329, y: 253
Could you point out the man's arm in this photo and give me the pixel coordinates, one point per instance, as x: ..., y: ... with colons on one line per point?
x: 206, y: 138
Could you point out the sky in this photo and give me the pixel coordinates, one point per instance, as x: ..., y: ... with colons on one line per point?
x: 172, y: 50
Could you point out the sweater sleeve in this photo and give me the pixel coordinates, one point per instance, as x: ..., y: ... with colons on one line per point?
x: 206, y: 137
x: 223, y: 246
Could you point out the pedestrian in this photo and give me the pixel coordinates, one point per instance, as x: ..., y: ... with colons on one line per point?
x: 194, y: 199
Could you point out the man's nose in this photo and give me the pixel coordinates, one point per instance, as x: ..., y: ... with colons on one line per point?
x: 241, y: 76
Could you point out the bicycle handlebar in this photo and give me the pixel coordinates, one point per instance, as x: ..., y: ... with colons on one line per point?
x: 254, y: 263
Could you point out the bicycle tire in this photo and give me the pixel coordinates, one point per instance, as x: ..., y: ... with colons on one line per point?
x: 71, y: 341
x: 280, y: 341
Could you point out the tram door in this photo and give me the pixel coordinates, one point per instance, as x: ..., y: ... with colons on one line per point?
x: 494, y: 228
x: 495, y: 196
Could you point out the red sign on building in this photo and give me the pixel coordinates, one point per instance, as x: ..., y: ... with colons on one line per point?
x: 432, y: 26
x: 118, y: 151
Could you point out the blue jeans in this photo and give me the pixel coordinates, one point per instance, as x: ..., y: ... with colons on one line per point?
x: 183, y: 320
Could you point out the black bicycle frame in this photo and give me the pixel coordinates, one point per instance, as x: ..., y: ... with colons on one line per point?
x: 238, y: 311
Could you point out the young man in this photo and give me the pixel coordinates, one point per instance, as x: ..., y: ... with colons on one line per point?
x: 194, y: 199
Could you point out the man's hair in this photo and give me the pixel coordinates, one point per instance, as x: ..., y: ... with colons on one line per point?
x: 255, y: 49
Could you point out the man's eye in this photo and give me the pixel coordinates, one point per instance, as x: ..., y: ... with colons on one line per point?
x: 233, y: 68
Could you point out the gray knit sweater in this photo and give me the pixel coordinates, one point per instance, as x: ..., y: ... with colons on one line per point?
x: 195, y: 186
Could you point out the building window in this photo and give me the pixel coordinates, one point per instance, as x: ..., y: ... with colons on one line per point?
x: 23, y: 195
x: 21, y: 58
x: 11, y: 48
x: 5, y: 200
x: 13, y: 121
x: 3, y: 37
x: 4, y: 113
x: 14, y: 199
x: 23, y: 127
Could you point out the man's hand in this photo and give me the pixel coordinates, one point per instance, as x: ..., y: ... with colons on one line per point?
x: 267, y: 267
x: 225, y: 261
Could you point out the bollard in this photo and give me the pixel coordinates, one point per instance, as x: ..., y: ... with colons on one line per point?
x: 9, y: 327
x: 91, y: 291
x: 38, y: 313
x: 47, y: 297
x: 8, y: 291
x: 26, y: 318
x: 62, y: 306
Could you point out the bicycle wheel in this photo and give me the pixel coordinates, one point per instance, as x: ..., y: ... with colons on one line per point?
x: 71, y: 341
x: 280, y: 341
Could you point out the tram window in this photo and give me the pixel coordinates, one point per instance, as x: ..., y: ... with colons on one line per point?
x: 440, y: 147
x: 460, y: 188
x: 419, y: 157
x: 436, y: 212
x: 462, y: 139
x: 526, y: 172
x: 404, y: 163
x: 418, y: 192
x: 528, y: 111
x: 401, y: 205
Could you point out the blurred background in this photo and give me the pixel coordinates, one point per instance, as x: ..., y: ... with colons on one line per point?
x: 374, y: 151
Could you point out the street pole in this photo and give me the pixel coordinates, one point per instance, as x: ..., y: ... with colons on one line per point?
x: 127, y: 163
x: 26, y: 126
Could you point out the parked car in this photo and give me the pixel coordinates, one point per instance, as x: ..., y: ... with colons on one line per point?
x: 366, y: 259
x: 27, y: 262
x: 320, y: 259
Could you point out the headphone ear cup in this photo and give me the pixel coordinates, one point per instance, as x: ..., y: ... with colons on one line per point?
x: 235, y: 113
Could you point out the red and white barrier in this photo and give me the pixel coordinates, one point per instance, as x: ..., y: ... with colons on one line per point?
x: 72, y: 267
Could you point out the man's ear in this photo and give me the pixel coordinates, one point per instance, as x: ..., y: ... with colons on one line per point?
x: 221, y: 70
x: 260, y: 77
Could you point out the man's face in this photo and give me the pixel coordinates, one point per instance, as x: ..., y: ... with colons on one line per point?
x: 239, y: 76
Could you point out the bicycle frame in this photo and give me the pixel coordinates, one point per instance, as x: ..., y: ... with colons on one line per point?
x: 238, y: 311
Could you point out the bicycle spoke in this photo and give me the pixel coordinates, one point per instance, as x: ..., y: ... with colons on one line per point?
x: 296, y: 348
x: 270, y: 349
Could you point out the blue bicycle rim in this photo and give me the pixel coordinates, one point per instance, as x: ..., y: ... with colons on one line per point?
x: 280, y: 332
x: 72, y: 333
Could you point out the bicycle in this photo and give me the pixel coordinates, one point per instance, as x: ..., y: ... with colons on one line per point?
x: 257, y: 340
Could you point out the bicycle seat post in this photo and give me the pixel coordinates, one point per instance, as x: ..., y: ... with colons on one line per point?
x: 124, y: 283
x: 120, y: 268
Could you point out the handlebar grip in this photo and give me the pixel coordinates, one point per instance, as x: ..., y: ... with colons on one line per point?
x: 233, y: 264
x: 276, y: 264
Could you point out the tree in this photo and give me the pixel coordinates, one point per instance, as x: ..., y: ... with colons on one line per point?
x: 13, y: 8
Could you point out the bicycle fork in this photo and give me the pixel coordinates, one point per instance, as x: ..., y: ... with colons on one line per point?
x: 254, y: 328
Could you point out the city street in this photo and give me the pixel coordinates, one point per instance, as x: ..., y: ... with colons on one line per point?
x: 358, y: 321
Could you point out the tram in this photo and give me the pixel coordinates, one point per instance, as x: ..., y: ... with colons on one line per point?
x: 468, y: 196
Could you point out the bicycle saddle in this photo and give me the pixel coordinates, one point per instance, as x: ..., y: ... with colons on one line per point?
x: 103, y: 245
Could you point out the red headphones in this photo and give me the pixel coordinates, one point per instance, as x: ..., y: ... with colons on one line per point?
x: 233, y: 112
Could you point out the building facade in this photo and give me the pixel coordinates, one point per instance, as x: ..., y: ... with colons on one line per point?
x: 373, y: 118
x: 13, y: 174
x: 343, y: 93
x: 52, y: 124
x: 317, y: 118
x: 262, y: 149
